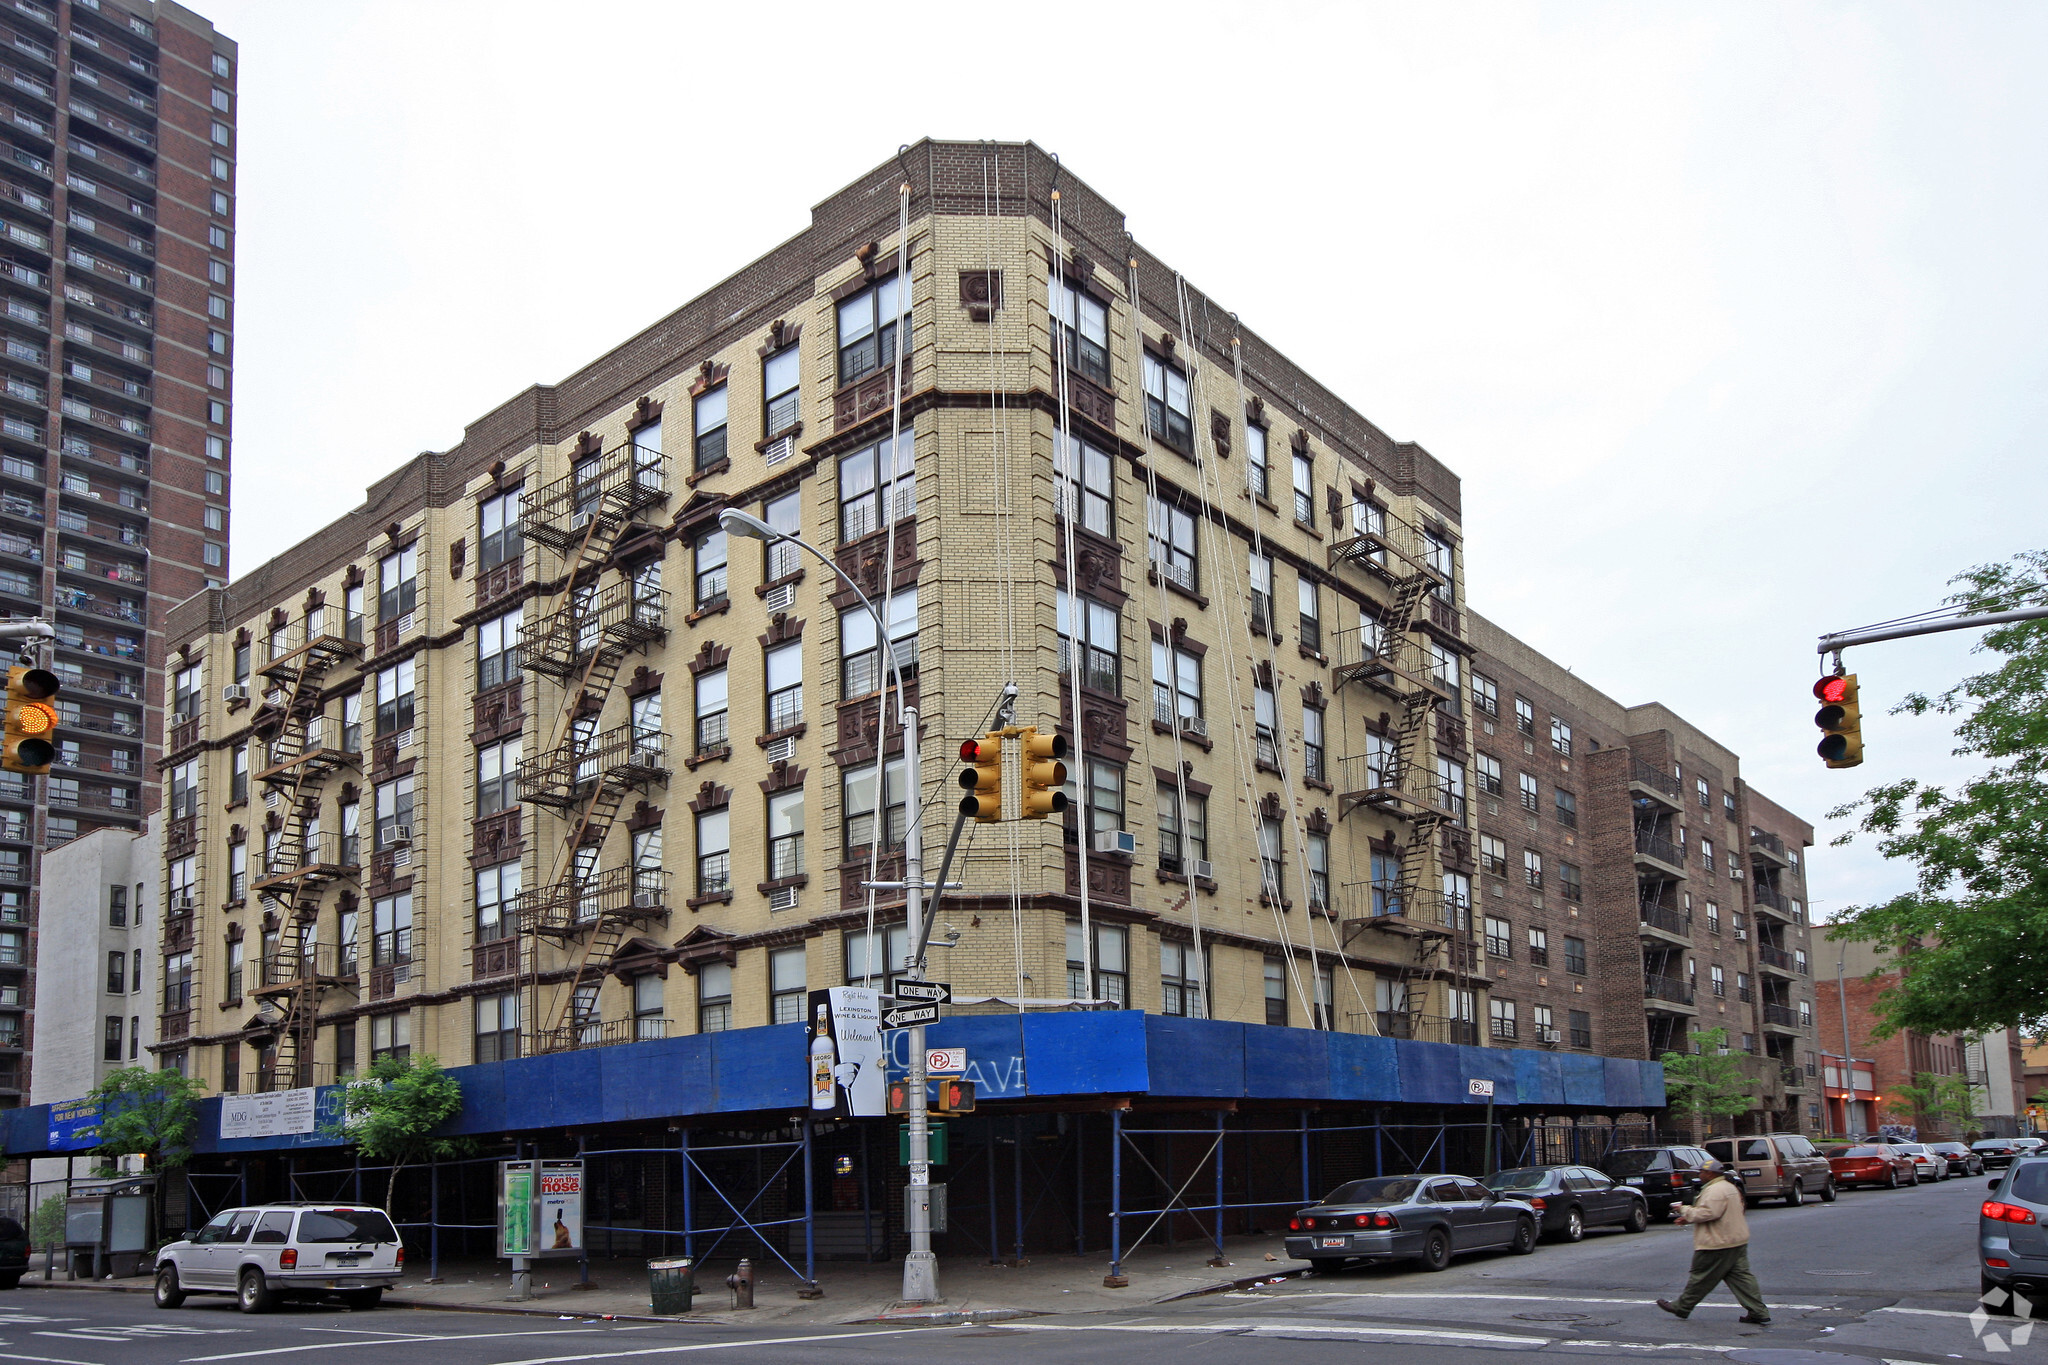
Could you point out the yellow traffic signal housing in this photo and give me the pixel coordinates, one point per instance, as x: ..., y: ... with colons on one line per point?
x: 983, y: 781
x: 1841, y: 718
x: 1044, y: 774
x: 30, y: 737
x: 954, y: 1097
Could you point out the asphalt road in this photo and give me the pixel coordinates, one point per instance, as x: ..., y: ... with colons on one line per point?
x: 1876, y: 1276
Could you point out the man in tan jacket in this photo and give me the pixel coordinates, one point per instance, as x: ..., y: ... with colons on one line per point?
x: 1720, y: 1248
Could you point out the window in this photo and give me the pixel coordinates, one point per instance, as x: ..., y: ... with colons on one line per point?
x: 1489, y: 774
x: 1742, y: 991
x: 391, y: 930
x: 782, y: 559
x: 714, y: 997
x: 398, y: 583
x: 1081, y: 324
x: 1450, y: 786
x: 1316, y: 848
x: 1183, y: 836
x: 879, y: 957
x: 1525, y: 716
x: 867, y: 331
x: 184, y: 871
x: 712, y: 727
x: 1386, y: 884
x: 1501, y: 1017
x: 497, y: 777
x: 185, y: 688
x: 1271, y: 845
x: 117, y: 973
x: 1713, y: 918
x: 1582, y: 1027
x: 1086, y: 480
x: 1166, y: 404
x: 710, y: 414
x: 867, y: 487
x: 709, y: 554
x: 499, y: 539
x: 497, y: 649
x: 648, y: 879
x: 1326, y: 998
x: 1170, y: 543
x: 1567, y: 809
x: 1728, y: 805
x: 1304, y: 488
x: 1101, y: 641
x: 1104, y: 799
x: 858, y: 802
x: 238, y: 872
x: 111, y: 1047
x: 650, y: 1016
x: 1180, y: 979
x: 785, y: 835
x: 861, y: 668
x: 177, y: 982
x: 1311, y: 615
x: 1717, y: 983
x: 1457, y: 900
x: 1532, y: 800
x: 1276, y: 993
x: 391, y: 1036
x: 1266, y: 727
x: 1255, y: 460
x: 784, y: 669
x: 1313, y: 766
x: 1539, y: 947
x: 714, y: 853
x: 1485, y: 695
x: 221, y: 168
x: 1575, y: 956
x: 1700, y: 785
x: 1500, y: 938
x: 1112, y: 972
x: 1443, y: 667
x: 394, y: 813
x: 1176, y: 683
x: 497, y: 1027
x: 1493, y: 855
x: 780, y: 376
x: 395, y: 698
x: 216, y: 411
x: 497, y: 892
x: 786, y: 985
x: 117, y: 906
x: 221, y: 65
x: 1569, y: 883
x: 1260, y: 570
x: 1799, y: 961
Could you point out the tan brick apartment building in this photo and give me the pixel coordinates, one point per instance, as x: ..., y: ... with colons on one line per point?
x: 532, y: 758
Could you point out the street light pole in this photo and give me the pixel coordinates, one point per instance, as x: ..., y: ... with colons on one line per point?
x: 920, y: 1267
x: 1848, y: 1060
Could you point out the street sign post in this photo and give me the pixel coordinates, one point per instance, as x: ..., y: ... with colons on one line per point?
x: 927, y: 992
x: 903, y: 1016
x: 1478, y: 1089
x: 945, y: 1061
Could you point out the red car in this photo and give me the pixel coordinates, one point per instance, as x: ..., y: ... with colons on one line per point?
x: 1874, y: 1163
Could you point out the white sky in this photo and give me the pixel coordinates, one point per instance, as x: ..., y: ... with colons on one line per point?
x: 1729, y: 316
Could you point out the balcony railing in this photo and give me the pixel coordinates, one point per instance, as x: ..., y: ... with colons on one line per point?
x: 1669, y: 988
x: 571, y: 905
x: 1774, y: 957
x: 1769, y: 898
x: 618, y: 616
x: 619, y: 483
x: 603, y: 1033
x: 1663, y: 917
x: 1765, y: 840
x: 1784, y: 1016
x: 1663, y: 850
x: 1655, y: 778
x: 623, y: 755
x: 316, y: 962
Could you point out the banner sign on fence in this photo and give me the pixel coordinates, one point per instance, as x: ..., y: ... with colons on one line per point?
x: 843, y: 1046
x: 74, y: 1126
x: 276, y: 1113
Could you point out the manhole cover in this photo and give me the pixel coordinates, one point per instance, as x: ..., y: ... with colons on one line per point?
x: 1763, y: 1356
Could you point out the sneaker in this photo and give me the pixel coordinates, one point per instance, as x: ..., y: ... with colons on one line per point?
x: 1672, y: 1309
x: 1751, y: 1317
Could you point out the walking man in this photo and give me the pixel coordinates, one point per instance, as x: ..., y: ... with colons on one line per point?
x: 1720, y: 1248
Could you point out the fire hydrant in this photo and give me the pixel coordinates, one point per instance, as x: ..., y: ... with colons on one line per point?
x: 741, y: 1283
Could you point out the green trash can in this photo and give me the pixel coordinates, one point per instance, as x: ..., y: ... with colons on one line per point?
x: 669, y: 1286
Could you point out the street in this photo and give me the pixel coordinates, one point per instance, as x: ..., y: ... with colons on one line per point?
x: 1878, y: 1275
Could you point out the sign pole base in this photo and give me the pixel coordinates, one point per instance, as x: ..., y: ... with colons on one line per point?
x: 522, y: 1279
x: 920, y: 1277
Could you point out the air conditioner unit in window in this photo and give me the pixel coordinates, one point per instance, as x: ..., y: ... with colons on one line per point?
x: 407, y: 622
x: 647, y: 900
x: 780, y: 598
x: 1115, y: 841
x: 182, y: 905
x: 1194, y: 725
x: 235, y: 692
x: 782, y: 749
x: 1549, y: 1037
x: 783, y: 899
x: 400, y: 834
x: 778, y: 450
x: 1202, y: 868
x: 1741, y: 934
x: 579, y: 521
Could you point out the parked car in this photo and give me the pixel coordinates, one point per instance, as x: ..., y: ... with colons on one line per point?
x: 275, y: 1251
x: 1932, y: 1165
x: 2030, y: 1146
x: 1665, y: 1175
x: 1961, y: 1160
x: 1427, y: 1218
x: 1995, y: 1152
x: 1872, y: 1163
x: 1777, y: 1166
x: 2012, y: 1237
x: 13, y: 1252
x: 1570, y: 1199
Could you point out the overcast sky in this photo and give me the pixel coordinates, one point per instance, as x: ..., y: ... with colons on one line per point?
x: 1729, y: 316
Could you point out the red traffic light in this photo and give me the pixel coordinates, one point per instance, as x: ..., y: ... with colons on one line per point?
x: 1831, y: 690
x: 970, y: 750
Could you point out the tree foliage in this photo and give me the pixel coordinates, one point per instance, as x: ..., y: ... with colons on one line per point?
x: 1941, y: 1101
x: 391, y: 1114
x: 1971, y: 938
x: 1707, y: 1084
x: 146, y: 1112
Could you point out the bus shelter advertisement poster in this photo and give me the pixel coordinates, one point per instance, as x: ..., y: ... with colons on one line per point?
x: 843, y: 1037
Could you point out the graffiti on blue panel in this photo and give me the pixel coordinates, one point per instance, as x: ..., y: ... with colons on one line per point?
x: 995, y: 1077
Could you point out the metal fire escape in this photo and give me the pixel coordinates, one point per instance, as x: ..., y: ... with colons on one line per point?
x: 305, y: 747
x: 1396, y: 777
x: 574, y: 772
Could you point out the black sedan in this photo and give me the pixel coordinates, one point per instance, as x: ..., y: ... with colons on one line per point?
x: 1426, y: 1218
x: 1570, y: 1199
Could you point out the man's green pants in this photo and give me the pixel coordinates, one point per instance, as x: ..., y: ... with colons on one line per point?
x: 1729, y: 1265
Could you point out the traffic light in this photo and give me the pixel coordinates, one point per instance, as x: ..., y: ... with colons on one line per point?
x: 899, y: 1097
x: 955, y: 1097
x: 1044, y: 774
x: 983, y: 781
x: 1839, y: 715
x: 30, y: 740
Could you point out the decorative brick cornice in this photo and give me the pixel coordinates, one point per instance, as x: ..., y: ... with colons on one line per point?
x: 710, y: 796
x: 710, y: 655
x: 782, y: 777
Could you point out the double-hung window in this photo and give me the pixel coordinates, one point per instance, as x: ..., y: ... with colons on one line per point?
x: 714, y: 997
x: 870, y: 482
x: 1260, y: 569
x: 1316, y: 852
x: 497, y: 1027
x: 1560, y: 736
x: 1575, y: 956
x: 1180, y: 979
x: 1493, y: 855
x: 1176, y: 683
x: 1183, y: 831
x: 398, y: 583
x: 1111, y: 962
x: 785, y: 674
x: 1501, y: 1014
x: 781, y: 375
x: 1304, y: 488
x: 1539, y: 947
x: 1275, y: 978
x: 714, y: 852
x: 1170, y: 543
x: 497, y: 649
x: 859, y: 802
x: 177, y: 982
x: 1086, y: 481
x: 1266, y: 726
x: 868, y: 324
x: 1104, y: 798
x: 394, y: 812
x: 1081, y: 326
x: 1311, y: 615
x: 782, y: 558
x: 1255, y: 474
x: 1272, y: 873
x: 499, y: 540
x: 1166, y: 404
x: 786, y: 835
x: 1457, y: 901
x: 1450, y: 786
x: 185, y: 789
x: 1489, y: 773
x: 1500, y: 938
x: 185, y: 688
x: 709, y: 556
x: 710, y: 413
x: 862, y: 668
x: 648, y: 877
x: 713, y: 729
x: 787, y: 979
x: 1525, y: 717
x: 497, y: 777
x: 395, y: 698
x: 1099, y: 645
x: 1567, y: 808
x: 1532, y: 797
x: 391, y: 930
x: 1485, y: 695
x: 497, y: 892
x: 1532, y: 868
x: 391, y: 1036
x: 877, y: 958
x: 1570, y: 882
x: 1314, y: 766
x: 1436, y: 549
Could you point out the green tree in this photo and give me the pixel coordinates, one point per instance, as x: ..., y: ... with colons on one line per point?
x: 1707, y: 1084
x: 146, y: 1112
x: 392, y: 1113
x: 1934, y: 1101
x: 1971, y: 938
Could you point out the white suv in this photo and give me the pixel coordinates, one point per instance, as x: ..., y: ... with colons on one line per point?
x: 274, y: 1251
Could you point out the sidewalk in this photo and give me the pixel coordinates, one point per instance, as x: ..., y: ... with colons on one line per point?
x: 855, y: 1291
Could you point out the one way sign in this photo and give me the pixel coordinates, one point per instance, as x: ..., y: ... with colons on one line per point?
x: 905, y: 1015
x: 934, y: 992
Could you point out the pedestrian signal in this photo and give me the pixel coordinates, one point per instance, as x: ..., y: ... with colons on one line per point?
x: 955, y: 1097
x: 1842, y: 719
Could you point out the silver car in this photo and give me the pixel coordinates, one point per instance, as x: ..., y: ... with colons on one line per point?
x: 1931, y: 1165
x: 272, y: 1251
x: 2011, y: 1241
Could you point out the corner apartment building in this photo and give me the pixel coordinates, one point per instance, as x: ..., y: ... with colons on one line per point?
x: 117, y: 182
x: 1633, y: 889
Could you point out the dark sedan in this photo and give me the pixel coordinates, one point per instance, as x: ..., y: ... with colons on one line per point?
x: 1570, y: 1199
x: 1426, y: 1218
x: 13, y: 1252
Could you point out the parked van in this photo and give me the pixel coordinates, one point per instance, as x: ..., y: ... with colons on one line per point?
x: 1777, y: 1166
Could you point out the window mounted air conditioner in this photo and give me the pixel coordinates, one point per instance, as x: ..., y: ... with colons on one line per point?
x: 783, y: 899
x: 402, y: 740
x: 646, y: 900
x: 778, y: 450
x: 782, y: 749
x: 182, y: 905
x: 401, y: 834
x: 780, y: 598
x: 579, y: 521
x: 1741, y: 934
x: 407, y: 622
x: 1203, y: 869
x: 1116, y: 841
x: 1550, y: 1037
x: 1195, y: 725
x: 235, y: 692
